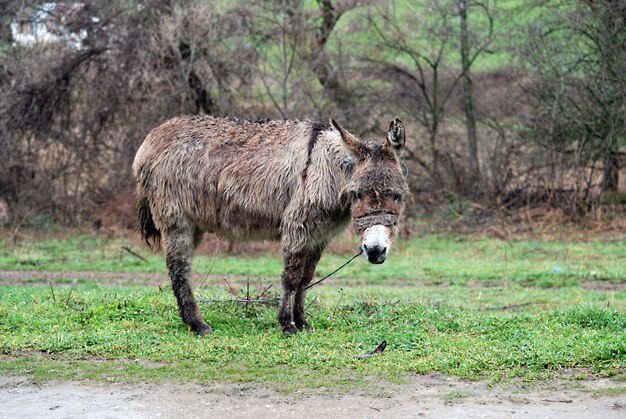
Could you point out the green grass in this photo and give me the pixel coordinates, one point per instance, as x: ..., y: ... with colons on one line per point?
x: 611, y: 391
x: 475, y: 308
x: 108, y: 333
x: 456, y: 395
x: 432, y: 258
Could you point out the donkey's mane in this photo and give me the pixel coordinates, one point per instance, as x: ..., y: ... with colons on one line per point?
x: 316, y: 128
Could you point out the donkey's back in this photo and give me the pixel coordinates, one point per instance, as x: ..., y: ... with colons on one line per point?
x: 227, y: 176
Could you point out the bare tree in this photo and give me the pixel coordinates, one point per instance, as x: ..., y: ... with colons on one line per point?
x: 576, y: 57
x: 420, y: 66
x: 468, y: 97
x: 72, y: 116
x: 199, y: 55
x: 282, y: 73
x: 319, y: 58
x: 297, y: 69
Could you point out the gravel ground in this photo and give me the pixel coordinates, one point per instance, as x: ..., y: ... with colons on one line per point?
x: 425, y: 396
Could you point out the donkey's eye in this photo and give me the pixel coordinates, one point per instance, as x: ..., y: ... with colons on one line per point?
x: 358, y: 196
x: 397, y: 197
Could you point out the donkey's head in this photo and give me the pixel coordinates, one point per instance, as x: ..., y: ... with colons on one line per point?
x: 376, y: 190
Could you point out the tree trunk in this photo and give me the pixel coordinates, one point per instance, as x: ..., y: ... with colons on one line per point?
x: 6, y: 35
x: 203, y: 98
x: 610, y: 175
x: 319, y: 61
x: 9, y: 10
x: 473, y: 180
x: 433, y: 131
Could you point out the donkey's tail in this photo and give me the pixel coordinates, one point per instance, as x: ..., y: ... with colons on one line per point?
x: 149, y: 232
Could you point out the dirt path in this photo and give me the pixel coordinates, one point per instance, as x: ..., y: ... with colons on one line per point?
x: 157, y: 278
x: 425, y: 396
x: 106, y: 278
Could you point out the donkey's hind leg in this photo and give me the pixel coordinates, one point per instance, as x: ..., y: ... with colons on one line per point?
x: 179, y: 247
x: 313, y: 256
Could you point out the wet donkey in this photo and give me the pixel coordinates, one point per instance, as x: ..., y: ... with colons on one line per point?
x: 296, y: 181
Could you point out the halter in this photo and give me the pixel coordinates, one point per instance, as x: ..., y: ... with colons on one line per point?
x: 363, y: 223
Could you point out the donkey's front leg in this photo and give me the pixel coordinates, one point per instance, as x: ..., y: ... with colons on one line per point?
x: 312, y: 257
x: 290, y: 279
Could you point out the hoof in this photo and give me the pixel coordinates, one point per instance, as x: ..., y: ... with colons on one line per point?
x: 202, y: 329
x: 290, y: 330
x: 304, y: 326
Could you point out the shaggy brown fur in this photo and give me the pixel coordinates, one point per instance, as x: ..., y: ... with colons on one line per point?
x: 294, y: 181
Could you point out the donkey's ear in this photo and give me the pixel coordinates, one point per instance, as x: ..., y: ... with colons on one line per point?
x: 353, y: 143
x: 396, y: 138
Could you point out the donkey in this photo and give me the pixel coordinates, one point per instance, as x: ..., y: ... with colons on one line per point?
x: 296, y: 181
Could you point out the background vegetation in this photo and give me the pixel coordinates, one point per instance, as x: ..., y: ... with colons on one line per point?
x: 508, y: 103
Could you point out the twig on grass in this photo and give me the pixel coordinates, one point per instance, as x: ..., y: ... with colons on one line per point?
x: 247, y: 300
x: 232, y: 290
x: 132, y: 252
x: 338, y: 305
x: 247, y: 292
x: 54, y: 298
x: 510, y: 306
x: 67, y: 300
x: 240, y: 300
x: 264, y: 291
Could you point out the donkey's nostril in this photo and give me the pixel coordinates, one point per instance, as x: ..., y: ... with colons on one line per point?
x: 377, y: 254
x: 375, y: 250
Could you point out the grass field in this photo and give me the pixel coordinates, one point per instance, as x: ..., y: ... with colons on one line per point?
x: 473, y: 307
x: 437, y: 259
